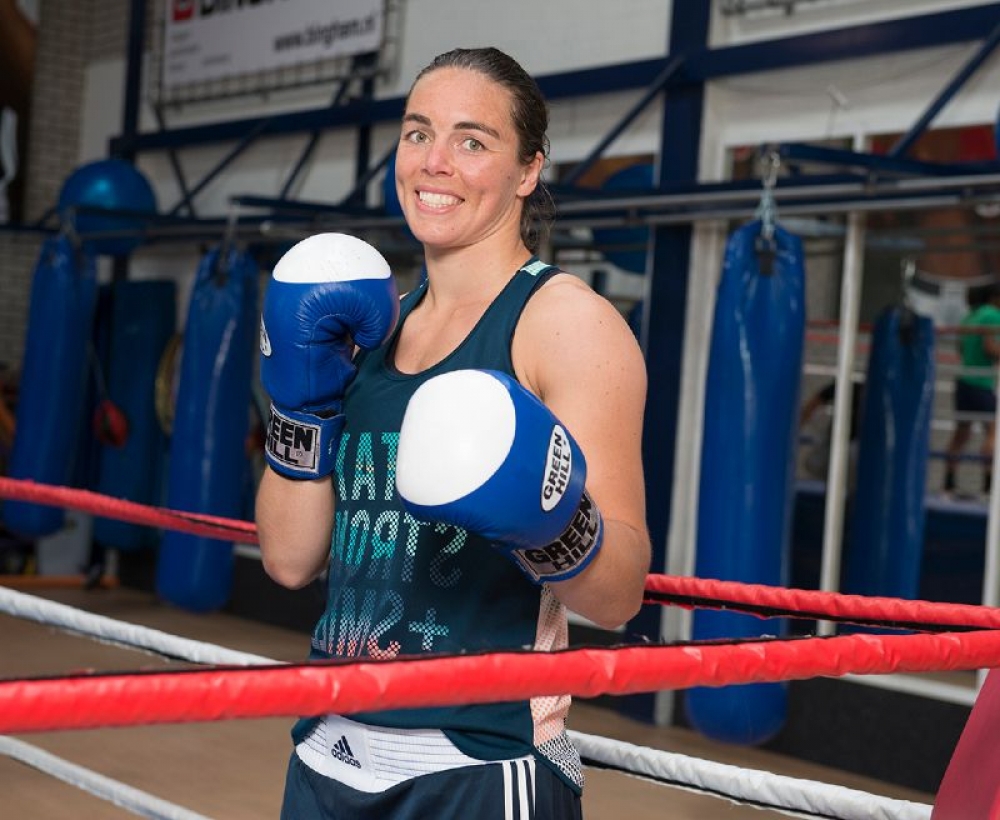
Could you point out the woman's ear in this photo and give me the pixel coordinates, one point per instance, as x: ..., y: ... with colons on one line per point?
x: 530, y: 174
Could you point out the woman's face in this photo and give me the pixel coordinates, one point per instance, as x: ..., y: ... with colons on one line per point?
x: 459, y: 177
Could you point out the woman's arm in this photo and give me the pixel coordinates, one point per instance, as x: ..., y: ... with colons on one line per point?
x: 294, y: 525
x: 577, y: 354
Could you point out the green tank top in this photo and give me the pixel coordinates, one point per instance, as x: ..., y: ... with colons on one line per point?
x: 971, y: 347
x: 401, y: 586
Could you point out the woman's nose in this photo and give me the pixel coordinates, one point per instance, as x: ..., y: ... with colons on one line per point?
x: 437, y: 159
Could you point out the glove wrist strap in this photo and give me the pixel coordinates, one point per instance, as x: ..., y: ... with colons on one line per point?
x: 571, y: 552
x: 302, y: 445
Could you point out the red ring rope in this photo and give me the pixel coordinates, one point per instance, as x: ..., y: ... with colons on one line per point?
x: 203, y: 695
x: 770, y: 601
x: 226, y: 529
x: 696, y: 592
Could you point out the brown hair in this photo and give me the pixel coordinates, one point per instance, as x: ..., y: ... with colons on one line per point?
x: 530, y: 115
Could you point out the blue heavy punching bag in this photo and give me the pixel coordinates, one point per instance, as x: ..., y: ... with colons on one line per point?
x: 142, y: 321
x: 747, y: 463
x: 887, y: 528
x: 53, y: 384
x: 208, y: 456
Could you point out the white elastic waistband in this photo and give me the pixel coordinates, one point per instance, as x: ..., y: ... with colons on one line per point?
x: 374, y: 758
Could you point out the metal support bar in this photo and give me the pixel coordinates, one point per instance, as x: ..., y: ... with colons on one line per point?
x: 830, y: 190
x: 836, y: 491
x: 910, y: 137
x: 240, y: 147
x: 991, y: 560
x: 368, y: 176
x: 125, y: 145
x: 805, y: 152
x: 894, y: 36
x: 175, y: 165
x: 363, y: 146
x: 669, y: 70
x: 313, y: 140
x: 303, y: 207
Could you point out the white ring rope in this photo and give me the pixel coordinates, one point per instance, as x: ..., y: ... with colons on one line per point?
x: 126, y: 797
x: 40, y: 610
x: 778, y: 792
x: 807, y: 798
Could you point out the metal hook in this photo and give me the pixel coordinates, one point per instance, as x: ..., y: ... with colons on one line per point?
x: 766, y: 211
x: 769, y: 176
x: 908, y: 268
x: 228, y: 240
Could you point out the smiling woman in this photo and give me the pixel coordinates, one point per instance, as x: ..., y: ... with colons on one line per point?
x: 521, y: 389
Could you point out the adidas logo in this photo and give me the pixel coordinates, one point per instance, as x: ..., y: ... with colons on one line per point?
x: 342, y: 751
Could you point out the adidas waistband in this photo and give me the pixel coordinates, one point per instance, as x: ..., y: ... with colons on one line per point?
x: 372, y: 758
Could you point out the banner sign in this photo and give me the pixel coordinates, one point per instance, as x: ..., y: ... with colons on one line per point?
x: 211, y: 39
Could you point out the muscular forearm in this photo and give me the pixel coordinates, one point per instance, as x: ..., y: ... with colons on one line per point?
x: 294, y: 525
x: 609, y: 591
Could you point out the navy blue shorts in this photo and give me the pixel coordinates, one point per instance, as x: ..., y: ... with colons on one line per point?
x: 493, y: 791
x: 971, y: 398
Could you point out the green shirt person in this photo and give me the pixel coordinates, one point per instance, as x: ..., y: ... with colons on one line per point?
x: 975, y: 386
x: 979, y: 350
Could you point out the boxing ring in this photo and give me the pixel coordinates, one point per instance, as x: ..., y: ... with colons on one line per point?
x: 216, y: 684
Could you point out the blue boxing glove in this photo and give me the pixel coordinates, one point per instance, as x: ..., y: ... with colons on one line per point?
x: 479, y: 451
x: 328, y: 293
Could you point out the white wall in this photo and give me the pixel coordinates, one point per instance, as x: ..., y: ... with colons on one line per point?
x: 546, y: 37
x: 877, y: 95
x: 819, y: 15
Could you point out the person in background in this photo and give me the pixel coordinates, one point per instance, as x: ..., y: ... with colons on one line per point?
x: 975, y: 386
x: 463, y: 483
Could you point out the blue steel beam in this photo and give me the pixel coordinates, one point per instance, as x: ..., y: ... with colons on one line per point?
x: 805, y: 152
x: 245, y: 142
x: 125, y: 147
x: 664, y: 320
x: 367, y: 176
x: 175, y: 165
x: 311, y: 144
x: 947, y: 93
x: 301, y: 207
x: 673, y: 64
x: 849, y: 43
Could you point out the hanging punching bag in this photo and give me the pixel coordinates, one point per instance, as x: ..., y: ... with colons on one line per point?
x: 887, y: 528
x: 133, y: 451
x: 208, y: 458
x: 53, y: 384
x: 747, y: 463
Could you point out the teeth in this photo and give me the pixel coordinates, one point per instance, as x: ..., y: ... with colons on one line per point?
x: 438, y: 200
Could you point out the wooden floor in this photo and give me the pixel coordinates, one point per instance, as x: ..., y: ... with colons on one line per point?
x: 235, y: 769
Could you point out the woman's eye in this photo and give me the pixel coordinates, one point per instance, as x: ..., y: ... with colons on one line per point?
x: 472, y: 144
x: 415, y: 136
